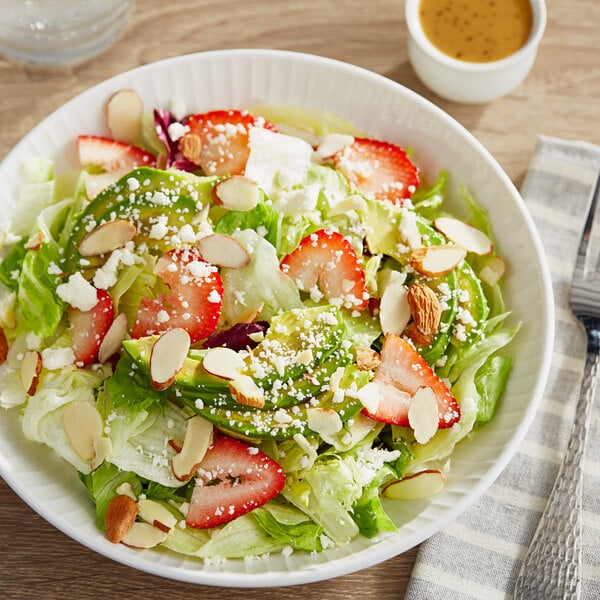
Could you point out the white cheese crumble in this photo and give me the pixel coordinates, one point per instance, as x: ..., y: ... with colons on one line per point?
x: 78, y: 292
x: 57, y: 358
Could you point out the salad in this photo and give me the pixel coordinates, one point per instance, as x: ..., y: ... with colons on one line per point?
x: 248, y: 331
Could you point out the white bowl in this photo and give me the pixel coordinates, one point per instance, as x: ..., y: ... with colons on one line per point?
x: 468, y: 82
x: 384, y: 109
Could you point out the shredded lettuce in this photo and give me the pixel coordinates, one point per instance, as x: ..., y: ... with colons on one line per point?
x: 259, y: 285
x: 42, y: 416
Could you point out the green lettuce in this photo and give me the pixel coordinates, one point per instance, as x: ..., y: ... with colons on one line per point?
x: 102, y: 485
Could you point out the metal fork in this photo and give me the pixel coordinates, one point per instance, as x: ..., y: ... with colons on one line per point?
x: 552, y: 566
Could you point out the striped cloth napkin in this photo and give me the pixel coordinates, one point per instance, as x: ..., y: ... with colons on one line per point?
x: 479, y: 555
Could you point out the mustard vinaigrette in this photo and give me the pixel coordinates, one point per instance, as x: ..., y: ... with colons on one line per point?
x: 476, y: 30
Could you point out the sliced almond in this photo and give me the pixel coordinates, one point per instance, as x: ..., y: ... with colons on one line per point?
x: 3, y: 347
x: 434, y: 261
x: 126, y: 489
x: 82, y: 423
x: 123, y: 114
x: 423, y: 414
x: 223, y: 250
x: 305, y: 357
x: 191, y: 147
x: 143, y: 535
x: 113, y: 339
x: 332, y: 143
x: 354, y: 202
x: 245, y: 391
x: 176, y: 444
x: 493, y: 270
x: 324, y: 421
x: 425, y: 308
x: 250, y: 314
x: 394, y: 311
x: 367, y: 359
x: 470, y: 238
x: 156, y: 514
x: 167, y: 357
x: 198, y: 437
x: 236, y: 193
x: 35, y: 241
x: 223, y: 362
x: 419, y: 486
x: 96, y: 182
x: 107, y: 237
x: 370, y: 396
x: 31, y: 367
x: 102, y: 450
x: 120, y: 517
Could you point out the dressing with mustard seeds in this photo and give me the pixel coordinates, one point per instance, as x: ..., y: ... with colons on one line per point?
x: 476, y: 30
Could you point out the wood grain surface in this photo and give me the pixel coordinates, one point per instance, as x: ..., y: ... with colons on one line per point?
x: 561, y: 97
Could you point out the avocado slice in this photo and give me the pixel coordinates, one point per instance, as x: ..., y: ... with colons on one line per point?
x: 471, y: 300
x: 296, y: 343
x: 141, y: 195
x: 191, y: 376
x: 283, y: 423
x: 286, y: 381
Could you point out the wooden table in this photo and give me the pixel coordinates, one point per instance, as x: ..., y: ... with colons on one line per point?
x: 561, y: 97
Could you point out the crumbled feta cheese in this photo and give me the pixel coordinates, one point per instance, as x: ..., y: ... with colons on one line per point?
x: 57, y: 358
x: 176, y: 131
x: 78, y: 292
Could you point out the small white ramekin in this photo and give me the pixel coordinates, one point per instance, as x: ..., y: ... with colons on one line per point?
x: 468, y: 82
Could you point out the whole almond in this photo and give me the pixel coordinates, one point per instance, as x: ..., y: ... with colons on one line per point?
x: 120, y: 517
x: 191, y: 147
x: 425, y: 308
x: 367, y: 358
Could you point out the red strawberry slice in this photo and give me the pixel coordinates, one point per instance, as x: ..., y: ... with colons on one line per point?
x: 233, y: 479
x: 112, y: 155
x: 88, y: 328
x: 400, y: 374
x: 378, y: 169
x: 326, y: 260
x: 194, y: 301
x: 224, y: 137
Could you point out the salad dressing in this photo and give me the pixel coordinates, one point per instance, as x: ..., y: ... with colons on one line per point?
x: 478, y: 31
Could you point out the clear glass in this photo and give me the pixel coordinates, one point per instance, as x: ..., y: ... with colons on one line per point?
x: 59, y: 32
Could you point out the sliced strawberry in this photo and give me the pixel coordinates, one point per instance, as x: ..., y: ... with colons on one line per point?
x: 327, y: 261
x: 224, y: 138
x: 400, y: 374
x: 194, y: 301
x: 88, y: 328
x: 233, y: 479
x: 378, y: 169
x: 112, y: 155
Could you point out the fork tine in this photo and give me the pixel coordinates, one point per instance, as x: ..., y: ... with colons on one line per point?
x: 586, y: 236
x: 584, y: 295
